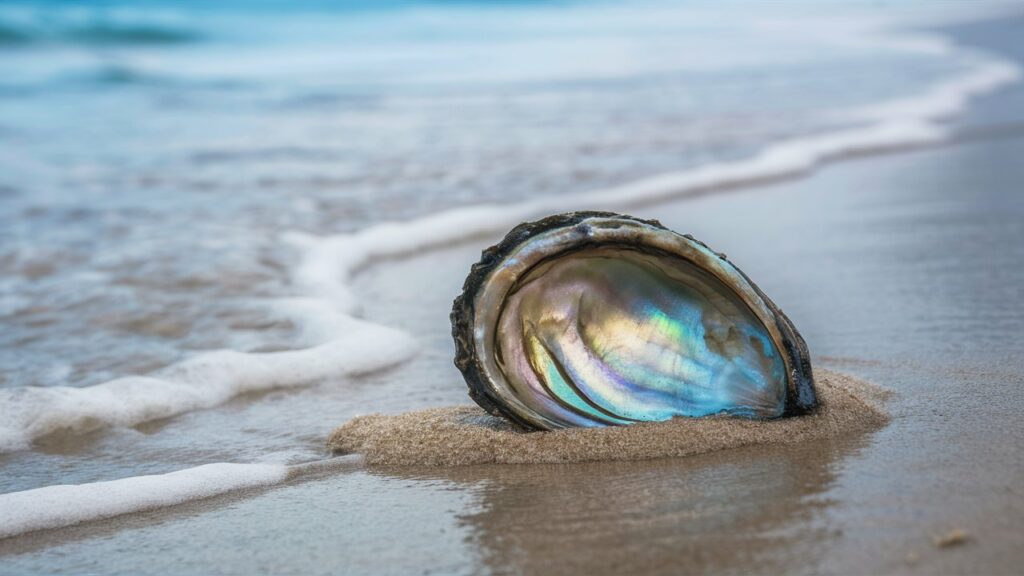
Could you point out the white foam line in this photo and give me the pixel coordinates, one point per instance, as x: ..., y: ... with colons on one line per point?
x: 346, y: 345
x: 52, y: 507
x: 903, y: 123
x: 204, y: 381
x: 946, y: 98
x: 67, y: 505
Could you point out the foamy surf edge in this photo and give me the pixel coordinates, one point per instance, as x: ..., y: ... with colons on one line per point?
x: 346, y: 345
x: 67, y: 505
x: 203, y: 381
x: 901, y: 123
x: 60, y: 506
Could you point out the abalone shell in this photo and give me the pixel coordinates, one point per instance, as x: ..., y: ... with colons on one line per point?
x: 596, y: 319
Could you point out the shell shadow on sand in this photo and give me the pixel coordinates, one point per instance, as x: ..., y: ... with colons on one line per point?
x: 465, y: 435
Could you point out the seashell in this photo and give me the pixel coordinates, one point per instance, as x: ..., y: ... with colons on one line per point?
x: 597, y: 319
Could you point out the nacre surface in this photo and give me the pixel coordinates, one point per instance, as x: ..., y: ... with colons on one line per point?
x: 593, y: 319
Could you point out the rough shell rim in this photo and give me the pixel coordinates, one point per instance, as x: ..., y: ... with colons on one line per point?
x: 800, y: 393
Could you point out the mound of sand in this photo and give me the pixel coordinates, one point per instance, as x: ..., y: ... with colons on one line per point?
x: 461, y: 435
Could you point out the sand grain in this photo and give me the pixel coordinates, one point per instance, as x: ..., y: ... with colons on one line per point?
x: 462, y: 435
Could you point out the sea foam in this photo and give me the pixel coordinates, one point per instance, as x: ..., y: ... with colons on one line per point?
x: 203, y: 381
x: 341, y: 344
x: 67, y: 505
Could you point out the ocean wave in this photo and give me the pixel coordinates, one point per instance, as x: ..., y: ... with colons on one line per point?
x: 13, y: 36
x: 344, y: 346
x: 60, y: 506
x: 120, y: 74
x: 67, y: 505
x: 97, y: 33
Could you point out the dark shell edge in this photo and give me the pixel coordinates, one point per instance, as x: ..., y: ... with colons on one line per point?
x: 801, y: 397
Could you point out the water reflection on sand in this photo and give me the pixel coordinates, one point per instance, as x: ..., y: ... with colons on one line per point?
x: 731, y: 512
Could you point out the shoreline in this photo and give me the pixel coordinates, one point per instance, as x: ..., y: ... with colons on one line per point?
x: 43, y: 539
x: 330, y: 250
x: 328, y: 309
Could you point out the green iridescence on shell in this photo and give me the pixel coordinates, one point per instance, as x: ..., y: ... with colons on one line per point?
x: 594, y: 319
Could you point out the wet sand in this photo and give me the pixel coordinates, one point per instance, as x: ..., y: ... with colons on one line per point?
x: 466, y: 435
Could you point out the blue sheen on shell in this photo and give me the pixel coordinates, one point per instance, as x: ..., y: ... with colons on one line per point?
x: 613, y: 336
x: 595, y: 319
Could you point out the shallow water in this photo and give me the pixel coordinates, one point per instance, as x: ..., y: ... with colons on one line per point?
x: 121, y: 258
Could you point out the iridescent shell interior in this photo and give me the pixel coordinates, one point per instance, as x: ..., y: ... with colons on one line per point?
x: 595, y: 319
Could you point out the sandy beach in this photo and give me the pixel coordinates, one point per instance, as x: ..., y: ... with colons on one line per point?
x: 468, y: 436
x: 903, y: 268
